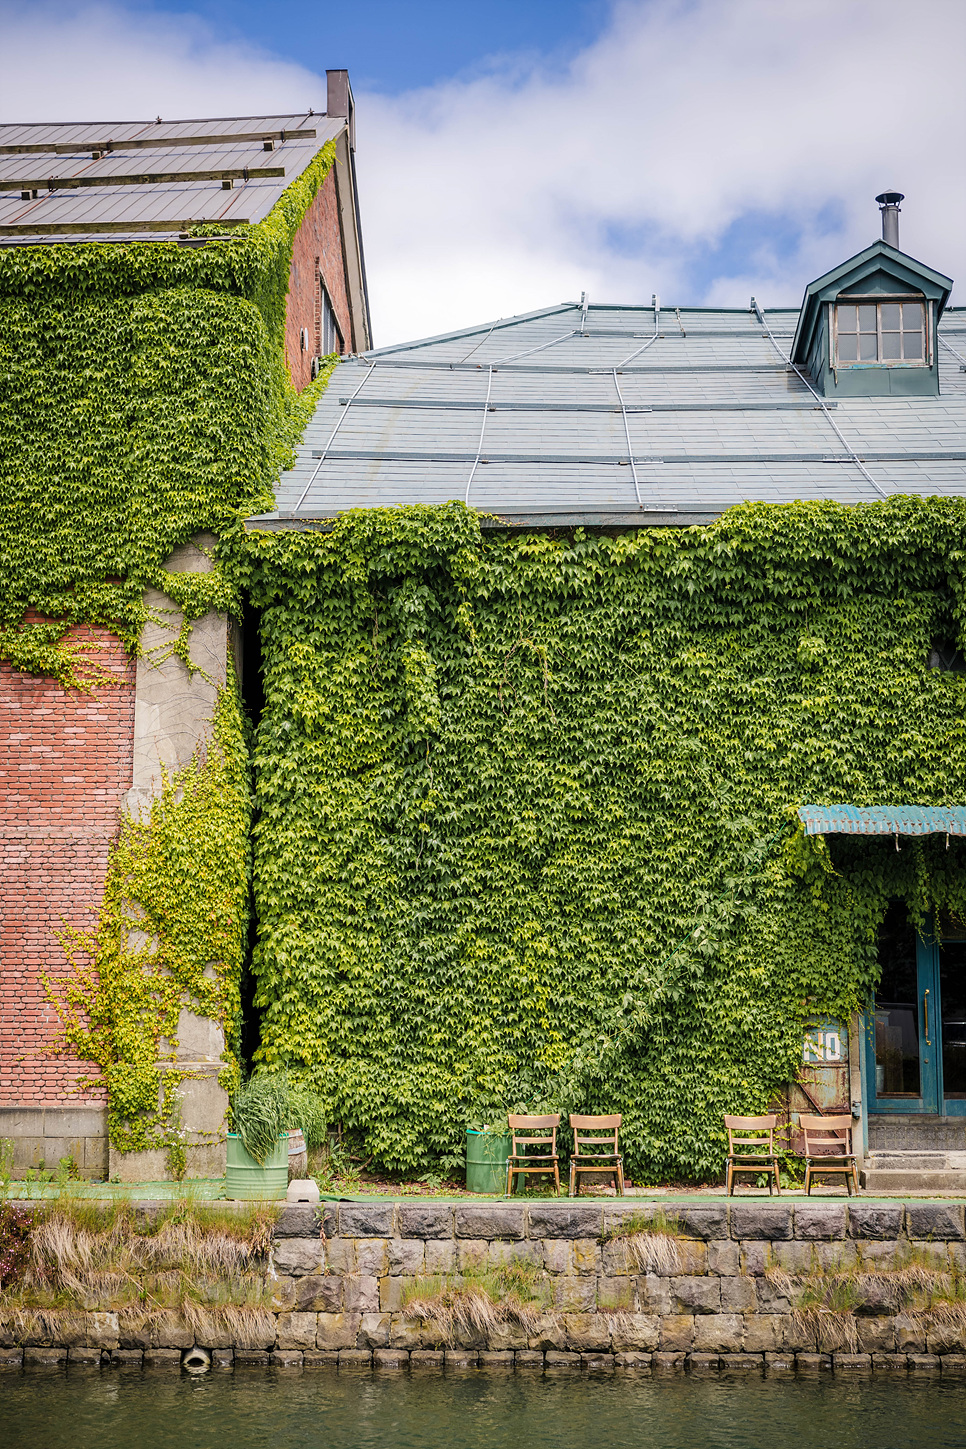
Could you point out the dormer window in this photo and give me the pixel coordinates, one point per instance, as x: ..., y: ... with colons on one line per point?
x: 871, y: 330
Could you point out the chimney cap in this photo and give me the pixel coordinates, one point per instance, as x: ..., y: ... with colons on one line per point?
x: 890, y: 198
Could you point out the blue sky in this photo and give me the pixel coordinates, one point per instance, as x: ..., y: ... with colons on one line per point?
x: 512, y: 155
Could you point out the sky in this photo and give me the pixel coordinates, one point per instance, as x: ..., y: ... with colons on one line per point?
x: 513, y: 155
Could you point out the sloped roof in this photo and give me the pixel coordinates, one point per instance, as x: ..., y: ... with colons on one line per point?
x: 141, y: 180
x: 611, y: 414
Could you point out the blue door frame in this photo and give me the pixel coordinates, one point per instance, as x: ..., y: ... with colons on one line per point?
x: 929, y: 1023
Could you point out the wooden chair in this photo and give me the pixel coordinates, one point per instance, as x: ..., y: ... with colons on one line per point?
x: 541, y: 1140
x: 828, y: 1153
x: 751, y: 1150
x: 598, y: 1133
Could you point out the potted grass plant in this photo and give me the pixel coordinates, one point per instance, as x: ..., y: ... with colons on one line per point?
x: 257, y: 1165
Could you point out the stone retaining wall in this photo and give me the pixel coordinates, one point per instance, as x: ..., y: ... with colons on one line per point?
x: 340, y: 1287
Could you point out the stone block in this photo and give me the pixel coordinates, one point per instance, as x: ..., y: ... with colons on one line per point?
x: 813, y: 1363
x: 819, y: 1220
x: 340, y: 1256
x: 936, y: 1254
x: 724, y: 1258
x: 654, y: 1294
x: 557, y: 1360
x: 426, y: 1358
x: 390, y: 1358
x: 738, y: 1295
x: 374, y: 1330
x: 586, y: 1255
x: 708, y: 1223
x: 872, y: 1221
x: 704, y: 1362
x: 937, y: 1221
x: 877, y: 1296
x: 84, y: 1357
x: 889, y: 1363
x: 910, y: 1334
x: 163, y: 1360
x: 631, y: 1332
x: 330, y: 1220
x: 779, y: 1365
x: 742, y: 1363
x: 614, y: 1257
x: 459, y: 1358
x: 587, y: 1331
x: 252, y: 1358
x: 315, y: 1294
x: 391, y: 1294
x: 282, y: 1293
x: 677, y: 1333
x: 320, y: 1359
x: 297, y: 1330
x: 719, y: 1333
x: 528, y: 1360
x: 852, y: 1363
x: 946, y: 1338
x: 616, y: 1294
x: 794, y: 1257
x: 369, y: 1220
x: 876, y: 1335
x: 296, y: 1257
x: 298, y: 1220
x: 285, y: 1358
x: 597, y: 1363
x: 496, y: 1220
x: 565, y: 1220
x: 923, y: 1363
x: 504, y: 1337
x: 355, y: 1358
x: 425, y: 1220
x: 497, y: 1359
x: 127, y: 1359
x: 841, y: 1257
x: 337, y: 1330
x: 407, y: 1255
x: 766, y: 1222
x: 953, y: 1363
x: 361, y: 1294
x: 222, y: 1358
x: 372, y: 1257
x: 668, y: 1363
x: 696, y: 1295
x: 765, y: 1332
x: 633, y: 1361
x: 575, y: 1295
x: 471, y: 1255
x: 412, y: 1333
x: 171, y: 1331
x: 506, y: 1255
x: 548, y: 1332
x: 558, y: 1255
x: 440, y: 1256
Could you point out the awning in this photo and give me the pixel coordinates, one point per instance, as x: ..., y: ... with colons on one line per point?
x: 883, y: 819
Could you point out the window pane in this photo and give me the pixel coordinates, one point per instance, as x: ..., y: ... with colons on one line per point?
x: 952, y: 993
x: 866, y: 318
x: 912, y: 346
x: 848, y: 347
x: 890, y: 316
x: 897, y: 1010
x: 868, y: 348
x: 847, y: 319
x: 911, y: 315
x: 890, y: 344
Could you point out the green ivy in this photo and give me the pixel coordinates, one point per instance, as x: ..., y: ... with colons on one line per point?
x: 525, y: 807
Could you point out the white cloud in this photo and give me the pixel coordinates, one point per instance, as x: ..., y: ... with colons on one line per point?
x: 621, y: 175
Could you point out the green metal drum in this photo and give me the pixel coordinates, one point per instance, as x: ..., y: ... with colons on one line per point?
x: 486, y: 1155
x: 246, y: 1181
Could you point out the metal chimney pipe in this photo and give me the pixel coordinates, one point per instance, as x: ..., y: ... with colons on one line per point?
x: 889, y: 206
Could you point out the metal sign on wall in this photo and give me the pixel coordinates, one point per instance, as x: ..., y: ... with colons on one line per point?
x: 826, y: 1044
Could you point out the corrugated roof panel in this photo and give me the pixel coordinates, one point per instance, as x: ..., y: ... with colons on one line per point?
x: 883, y: 819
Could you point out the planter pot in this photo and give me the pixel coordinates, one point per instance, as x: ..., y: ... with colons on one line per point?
x: 246, y: 1181
x: 486, y: 1155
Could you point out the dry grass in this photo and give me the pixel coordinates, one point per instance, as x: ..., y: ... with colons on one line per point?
x: 651, y: 1242
x: 476, y: 1305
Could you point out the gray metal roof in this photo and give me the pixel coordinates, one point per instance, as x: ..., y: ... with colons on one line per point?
x: 138, y: 178
x: 611, y: 414
x: 883, y: 819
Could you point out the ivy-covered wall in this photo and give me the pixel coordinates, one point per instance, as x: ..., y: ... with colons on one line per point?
x: 525, y: 807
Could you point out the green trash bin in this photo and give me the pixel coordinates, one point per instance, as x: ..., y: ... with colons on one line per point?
x: 248, y: 1181
x: 486, y: 1155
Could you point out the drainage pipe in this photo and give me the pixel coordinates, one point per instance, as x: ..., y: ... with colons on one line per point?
x: 196, y: 1360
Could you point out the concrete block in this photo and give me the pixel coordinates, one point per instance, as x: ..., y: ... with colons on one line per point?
x: 565, y: 1220
x: 872, y: 1221
x: 597, y: 1363
x: 322, y: 1358
x: 496, y: 1359
x: 391, y: 1293
x: 692, y: 1257
x: 677, y: 1333
x: 547, y: 1333
x: 819, y: 1220
x: 938, y: 1221
x: 852, y: 1363
x: 616, y: 1294
x: 841, y: 1257
x: 252, y: 1358
x: 557, y: 1360
x: 390, y: 1358
x: 667, y: 1363
x: 953, y: 1363
x: 558, y: 1255
x: 696, y: 1295
x: 368, y: 1220
x: 286, y: 1358
x: 298, y: 1257
x: 459, y: 1358
x: 505, y: 1255
x: 719, y: 1333
x: 575, y: 1295
x: 946, y: 1338
x: 372, y: 1257
x: 876, y: 1335
x: 586, y: 1255
x: 163, y: 1360
x: 654, y: 1293
x: 425, y: 1220
x: 222, y: 1358
x: 779, y: 1365
x: 406, y: 1255
x: 889, y: 1363
x: 528, y: 1360
x: 615, y: 1259
x: 316, y: 1294
x: 426, y: 1358
x: 813, y: 1363
x: 127, y: 1359
x: 489, y: 1221
x: 704, y: 1363
x: 282, y: 1294
x: 355, y: 1358
x: 171, y: 1332
x: 742, y: 1363
x: 876, y: 1296
x: 923, y: 1363
x: 297, y: 1330
x: 86, y: 1358
x: 910, y: 1334
x: 340, y: 1255
x: 337, y: 1330
x: 413, y: 1333
x: 764, y: 1221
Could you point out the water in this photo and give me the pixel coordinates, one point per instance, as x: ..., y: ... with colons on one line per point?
x: 249, y: 1409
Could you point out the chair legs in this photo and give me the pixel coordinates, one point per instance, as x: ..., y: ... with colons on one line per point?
x: 620, y: 1179
x: 573, y: 1181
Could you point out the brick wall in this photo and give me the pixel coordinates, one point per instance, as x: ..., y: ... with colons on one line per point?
x: 316, y: 258
x: 65, y: 763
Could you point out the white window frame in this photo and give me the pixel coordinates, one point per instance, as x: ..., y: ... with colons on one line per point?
x: 877, y: 300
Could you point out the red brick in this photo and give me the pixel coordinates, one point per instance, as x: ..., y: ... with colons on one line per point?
x: 316, y: 257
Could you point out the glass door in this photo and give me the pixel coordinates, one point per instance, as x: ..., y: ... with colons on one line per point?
x: 904, y: 1028
x: 951, y: 973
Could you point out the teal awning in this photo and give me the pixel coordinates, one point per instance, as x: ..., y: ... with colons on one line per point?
x: 883, y: 819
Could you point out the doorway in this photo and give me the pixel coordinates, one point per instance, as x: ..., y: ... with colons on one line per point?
x: 917, y: 1057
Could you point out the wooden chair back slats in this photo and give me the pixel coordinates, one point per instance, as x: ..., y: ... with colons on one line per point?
x: 828, y: 1150
x: 534, y: 1147
x: 751, y: 1150
x: 600, y: 1133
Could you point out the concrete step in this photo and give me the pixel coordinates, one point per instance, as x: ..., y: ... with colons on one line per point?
x: 912, y: 1179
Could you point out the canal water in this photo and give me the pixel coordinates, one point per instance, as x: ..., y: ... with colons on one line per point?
x: 50, y: 1410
